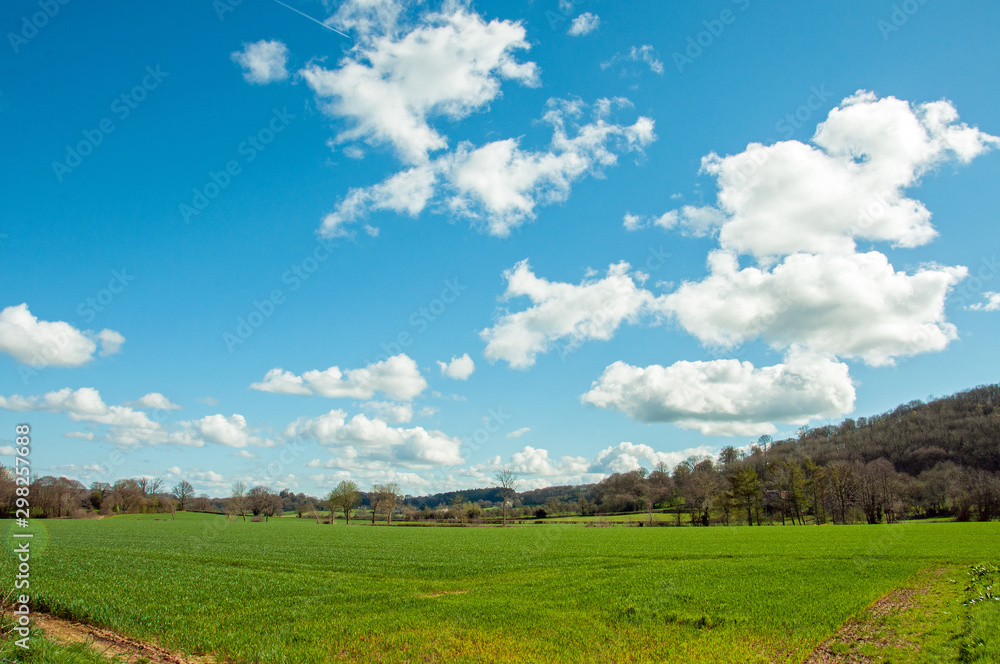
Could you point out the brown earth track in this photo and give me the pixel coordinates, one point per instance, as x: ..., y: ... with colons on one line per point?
x: 111, y: 643
x: 868, y: 629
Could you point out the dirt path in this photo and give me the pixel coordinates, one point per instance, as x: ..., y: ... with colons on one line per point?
x: 870, y: 629
x: 112, y: 644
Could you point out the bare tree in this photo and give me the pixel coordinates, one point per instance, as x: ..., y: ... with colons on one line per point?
x: 843, y: 486
x: 375, y: 500
x: 182, y: 492
x: 507, y: 481
x: 745, y: 486
x: 310, y: 510
x: 275, y: 506
x: 126, y: 496
x: 390, y: 496
x: 457, y: 507
x: 384, y: 497
x: 260, y: 500
x: 149, y: 485
x: 345, y: 496
x: 169, y: 505
x: 877, y: 483
x: 661, y: 485
x: 202, y: 504
x: 700, y: 486
x: 237, y: 500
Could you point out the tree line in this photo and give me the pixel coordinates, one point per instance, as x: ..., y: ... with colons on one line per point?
x: 940, y: 458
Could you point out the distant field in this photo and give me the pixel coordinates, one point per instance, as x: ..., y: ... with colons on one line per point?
x: 656, y: 516
x: 292, y: 591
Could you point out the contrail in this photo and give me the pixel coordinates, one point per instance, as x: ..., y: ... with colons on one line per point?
x: 312, y: 19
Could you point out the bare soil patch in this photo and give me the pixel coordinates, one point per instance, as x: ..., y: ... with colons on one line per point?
x: 438, y: 593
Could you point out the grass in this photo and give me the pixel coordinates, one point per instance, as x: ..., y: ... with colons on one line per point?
x: 45, y: 651
x: 937, y: 624
x: 292, y: 591
x: 925, y: 630
x: 979, y: 640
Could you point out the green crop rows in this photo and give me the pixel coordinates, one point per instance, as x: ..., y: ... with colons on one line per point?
x: 293, y: 591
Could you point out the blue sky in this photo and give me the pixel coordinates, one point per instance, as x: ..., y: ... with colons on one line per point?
x: 560, y: 236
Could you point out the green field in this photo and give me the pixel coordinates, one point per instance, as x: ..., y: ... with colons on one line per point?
x: 294, y: 591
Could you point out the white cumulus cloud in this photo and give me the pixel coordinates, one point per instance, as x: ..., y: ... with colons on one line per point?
x: 154, y: 400
x: 229, y: 431
x: 361, y: 436
x: 626, y: 456
x: 499, y: 184
x: 992, y: 303
x: 537, y: 468
x: 727, y: 397
x: 799, y: 209
x: 645, y: 54
x: 128, y: 427
x: 389, y: 86
x: 584, y: 24
x: 111, y: 342
x: 263, y: 61
x: 42, y: 343
x: 850, y: 184
x: 391, y: 412
x: 459, y: 368
x: 81, y: 405
x: 397, y: 377
x: 851, y: 305
x: 565, y: 312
